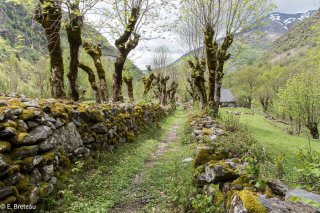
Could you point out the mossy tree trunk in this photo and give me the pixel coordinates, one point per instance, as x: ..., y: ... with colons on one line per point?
x: 313, y: 127
x: 147, y: 81
x: 163, y: 90
x: 197, y: 76
x: 129, y: 82
x: 172, y: 92
x: 74, y: 31
x: 95, y: 52
x: 222, y: 58
x: 49, y: 13
x: 125, y: 44
x: 92, y: 80
x: 192, y: 91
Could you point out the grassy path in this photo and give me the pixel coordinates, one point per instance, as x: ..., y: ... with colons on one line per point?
x: 146, y: 176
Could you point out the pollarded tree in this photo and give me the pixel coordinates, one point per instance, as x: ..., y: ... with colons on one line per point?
x: 125, y: 20
x: 219, y: 21
x: 128, y: 80
x: 300, y: 100
x: 49, y: 14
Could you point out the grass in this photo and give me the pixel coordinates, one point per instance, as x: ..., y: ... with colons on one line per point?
x: 275, y: 140
x: 99, y: 183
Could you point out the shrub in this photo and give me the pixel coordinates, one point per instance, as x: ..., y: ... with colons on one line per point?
x: 232, y: 123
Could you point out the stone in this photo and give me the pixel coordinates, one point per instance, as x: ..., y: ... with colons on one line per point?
x: 47, y: 172
x: 13, y: 179
x: 197, y: 132
x: 31, y: 162
x: 35, y: 176
x: 38, y: 134
x: 277, y: 187
x: 3, y: 163
x: 25, y: 151
x: 7, y: 133
x: 48, y: 144
x: 5, y: 146
x: 99, y: 128
x: 3, y: 104
x: 12, y: 113
x: 187, y: 160
x: 34, y: 196
x: 221, y: 171
x: 5, y: 192
x: 246, y: 202
x: 54, y: 180
x: 275, y: 205
x: 59, y: 123
x: 32, y: 103
x: 300, y: 194
x: 46, y: 189
x: 32, y: 125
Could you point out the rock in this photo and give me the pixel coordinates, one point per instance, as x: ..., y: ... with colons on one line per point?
x: 25, y: 151
x: 47, y: 172
x: 32, y: 125
x: 197, y: 132
x: 34, y: 196
x: 45, y: 189
x: 54, y: 180
x: 58, y: 123
x: 32, y: 103
x: 302, y: 196
x: 35, y: 176
x: 48, y: 144
x: 187, y: 160
x: 246, y: 202
x: 275, y: 205
x: 221, y: 171
x: 3, y: 163
x: 13, y: 179
x: 5, y: 192
x: 4, y: 146
x: 12, y: 113
x: 3, y: 104
x: 31, y: 162
x: 99, y: 128
x: 277, y: 187
x: 213, y: 137
x: 7, y: 133
x: 38, y: 134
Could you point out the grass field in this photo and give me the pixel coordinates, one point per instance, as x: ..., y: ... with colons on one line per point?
x: 273, y: 137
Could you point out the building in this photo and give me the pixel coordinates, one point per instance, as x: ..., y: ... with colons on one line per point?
x: 227, y: 98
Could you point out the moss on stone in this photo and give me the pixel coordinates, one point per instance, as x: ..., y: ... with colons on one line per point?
x: 49, y: 156
x: 9, y: 200
x: 268, y: 192
x: 20, y: 137
x: 224, y: 165
x: 27, y: 114
x: 313, y: 203
x: 207, y: 131
x: 203, y: 156
x: 251, y: 202
x: 4, y: 146
x: 9, y: 123
x: 24, y: 184
x: 45, y: 189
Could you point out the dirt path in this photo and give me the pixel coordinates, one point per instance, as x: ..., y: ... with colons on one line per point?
x: 136, y: 197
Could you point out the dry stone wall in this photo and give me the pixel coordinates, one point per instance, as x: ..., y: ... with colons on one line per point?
x: 221, y: 172
x: 40, y: 137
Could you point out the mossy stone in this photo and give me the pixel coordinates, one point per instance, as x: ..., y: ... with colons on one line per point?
x: 45, y: 189
x: 251, y: 202
x: 24, y: 151
x: 27, y: 114
x: 4, y: 146
x: 9, y: 200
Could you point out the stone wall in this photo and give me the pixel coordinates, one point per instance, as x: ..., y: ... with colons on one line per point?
x: 40, y: 137
x: 222, y: 172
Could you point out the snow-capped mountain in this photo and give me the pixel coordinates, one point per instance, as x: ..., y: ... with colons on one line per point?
x: 282, y: 22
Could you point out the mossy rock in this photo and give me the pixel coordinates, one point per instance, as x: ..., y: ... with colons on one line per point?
x: 203, y: 157
x: 18, y: 139
x: 5, y: 146
x: 9, y: 123
x: 24, y: 184
x: 8, y: 200
x: 251, y: 202
x: 24, y: 151
x: 45, y: 189
x: 49, y: 156
x: 207, y: 131
x: 27, y: 114
x: 309, y: 202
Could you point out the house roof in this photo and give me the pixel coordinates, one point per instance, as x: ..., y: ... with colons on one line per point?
x: 227, y: 96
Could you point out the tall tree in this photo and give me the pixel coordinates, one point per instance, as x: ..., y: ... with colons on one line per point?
x: 49, y: 14
x: 219, y: 21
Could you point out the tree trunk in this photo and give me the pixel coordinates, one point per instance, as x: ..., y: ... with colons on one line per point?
x: 129, y: 83
x: 314, y: 131
x: 197, y: 76
x: 95, y: 52
x: 48, y: 14
x: 74, y: 30
x: 163, y: 90
x: 117, y: 78
x: 147, y: 81
x: 92, y: 80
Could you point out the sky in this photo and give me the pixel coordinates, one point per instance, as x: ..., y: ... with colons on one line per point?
x: 143, y: 54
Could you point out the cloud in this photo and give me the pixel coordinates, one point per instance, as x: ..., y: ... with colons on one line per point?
x: 296, y: 6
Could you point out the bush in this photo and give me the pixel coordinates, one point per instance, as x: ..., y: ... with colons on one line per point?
x: 232, y: 123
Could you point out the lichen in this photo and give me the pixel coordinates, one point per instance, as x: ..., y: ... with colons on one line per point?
x: 251, y: 202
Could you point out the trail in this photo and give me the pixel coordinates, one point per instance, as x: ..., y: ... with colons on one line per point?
x: 144, y: 176
x: 138, y: 195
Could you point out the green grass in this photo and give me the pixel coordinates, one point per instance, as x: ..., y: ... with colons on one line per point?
x: 273, y: 137
x: 99, y: 183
